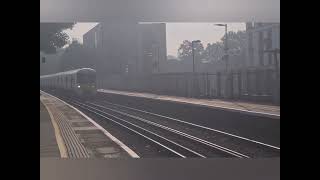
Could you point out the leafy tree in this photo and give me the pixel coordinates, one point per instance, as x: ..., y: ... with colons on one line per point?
x: 77, y: 56
x: 53, y: 37
x: 185, y: 51
x: 236, y: 41
x: 213, y: 52
x: 236, y: 46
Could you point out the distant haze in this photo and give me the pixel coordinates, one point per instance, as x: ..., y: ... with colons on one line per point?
x: 176, y: 33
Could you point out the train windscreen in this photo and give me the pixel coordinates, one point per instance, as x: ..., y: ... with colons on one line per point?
x: 86, y: 78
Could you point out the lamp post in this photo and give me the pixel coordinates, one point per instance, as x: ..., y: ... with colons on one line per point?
x: 192, y: 46
x: 229, y: 83
x: 156, y: 56
x: 193, y: 69
x: 225, y: 44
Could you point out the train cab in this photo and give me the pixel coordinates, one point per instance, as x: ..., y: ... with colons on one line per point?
x: 80, y: 82
x: 86, y: 82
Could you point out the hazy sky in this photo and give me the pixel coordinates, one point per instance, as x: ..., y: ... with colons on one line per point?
x: 176, y: 33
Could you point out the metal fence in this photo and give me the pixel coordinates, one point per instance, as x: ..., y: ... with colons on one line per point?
x: 254, y: 85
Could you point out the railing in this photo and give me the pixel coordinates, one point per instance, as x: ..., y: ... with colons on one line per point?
x: 254, y: 85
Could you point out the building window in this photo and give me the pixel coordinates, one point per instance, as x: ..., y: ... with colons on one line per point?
x: 95, y: 40
x: 269, y: 46
x: 101, y: 37
x: 250, y: 49
x: 249, y: 25
x: 260, y: 48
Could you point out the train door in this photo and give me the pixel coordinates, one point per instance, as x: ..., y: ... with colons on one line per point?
x: 64, y: 80
x: 69, y: 81
x: 60, y: 82
x: 72, y: 81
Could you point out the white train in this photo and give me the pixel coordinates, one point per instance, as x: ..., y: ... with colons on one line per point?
x: 82, y: 82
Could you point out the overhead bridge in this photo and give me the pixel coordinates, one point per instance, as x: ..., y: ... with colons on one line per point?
x: 159, y: 11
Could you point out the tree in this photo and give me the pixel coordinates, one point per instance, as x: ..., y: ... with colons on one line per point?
x: 185, y: 51
x: 236, y: 41
x: 236, y: 46
x: 77, y: 56
x: 213, y: 52
x: 53, y: 37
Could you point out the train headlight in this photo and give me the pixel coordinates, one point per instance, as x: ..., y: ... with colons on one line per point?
x: 78, y: 86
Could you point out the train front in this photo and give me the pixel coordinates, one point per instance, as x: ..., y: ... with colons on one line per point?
x: 86, y: 83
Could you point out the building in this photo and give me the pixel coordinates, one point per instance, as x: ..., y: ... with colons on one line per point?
x: 127, y: 53
x: 261, y: 77
x: 152, y: 47
x: 260, y: 38
x: 129, y: 48
x: 51, y: 63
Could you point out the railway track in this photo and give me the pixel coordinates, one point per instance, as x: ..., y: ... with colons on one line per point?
x: 179, y: 138
x: 250, y: 147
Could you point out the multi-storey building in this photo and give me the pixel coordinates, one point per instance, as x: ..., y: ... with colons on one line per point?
x: 262, y: 39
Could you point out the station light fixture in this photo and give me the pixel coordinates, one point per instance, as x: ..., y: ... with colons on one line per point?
x: 221, y: 24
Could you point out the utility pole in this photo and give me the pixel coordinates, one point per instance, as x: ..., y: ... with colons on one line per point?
x: 193, y: 68
x: 226, y: 56
x: 192, y: 46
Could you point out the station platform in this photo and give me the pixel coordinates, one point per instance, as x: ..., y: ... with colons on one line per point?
x: 68, y: 133
x: 48, y: 142
x: 228, y: 105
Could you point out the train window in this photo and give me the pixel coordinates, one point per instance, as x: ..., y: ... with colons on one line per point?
x: 86, y: 78
x: 71, y: 81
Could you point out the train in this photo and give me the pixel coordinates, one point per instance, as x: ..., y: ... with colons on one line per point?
x: 80, y: 82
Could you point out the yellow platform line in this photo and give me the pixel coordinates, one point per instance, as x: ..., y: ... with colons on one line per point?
x: 60, y: 141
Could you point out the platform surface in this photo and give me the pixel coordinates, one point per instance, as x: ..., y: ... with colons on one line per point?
x: 48, y: 143
x: 245, y: 107
x: 77, y: 135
